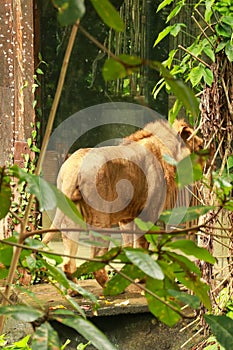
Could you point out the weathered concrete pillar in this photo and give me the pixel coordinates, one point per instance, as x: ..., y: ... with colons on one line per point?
x: 16, y: 76
x: 16, y: 80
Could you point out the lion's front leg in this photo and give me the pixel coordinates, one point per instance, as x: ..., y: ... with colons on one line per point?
x: 101, y: 275
x: 70, y: 249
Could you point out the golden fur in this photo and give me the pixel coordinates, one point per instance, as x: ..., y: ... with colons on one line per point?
x: 139, y: 159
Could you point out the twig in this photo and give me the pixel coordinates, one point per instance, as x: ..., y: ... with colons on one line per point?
x: 228, y: 100
x: 176, y: 231
x: 203, y: 18
x: 202, y: 30
x: 5, y: 298
x: 37, y: 250
x: 191, y: 338
x: 190, y: 324
x: 20, y: 220
x: 194, y: 56
x: 98, y: 44
x: 151, y: 293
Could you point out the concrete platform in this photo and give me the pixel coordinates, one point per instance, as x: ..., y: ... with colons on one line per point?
x: 125, y: 319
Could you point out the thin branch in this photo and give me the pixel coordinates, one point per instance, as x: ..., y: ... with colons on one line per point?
x: 151, y: 293
x: 16, y: 216
x: 194, y: 56
x: 228, y: 100
x: 190, y: 324
x: 5, y: 298
x: 191, y: 338
x: 37, y: 250
x: 98, y: 44
x: 203, y: 18
x: 202, y: 30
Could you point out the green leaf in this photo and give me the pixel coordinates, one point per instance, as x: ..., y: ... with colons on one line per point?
x: 170, y: 160
x: 69, y: 11
x: 39, y: 71
x: 175, y: 11
x: 221, y: 46
x: 21, y: 312
x: 56, y: 258
x: 108, y: 14
x: 144, y: 262
x: 208, y: 10
x: 190, y: 248
x: 209, y: 52
x: 185, y: 298
x: 229, y: 51
x: 146, y: 226
x: 31, y: 262
x: 3, y: 272
x: 181, y: 261
x: 76, y: 306
x: 229, y: 205
x: 21, y: 344
x: 38, y: 187
x: 223, y: 30
x: 208, y: 76
x: 163, y: 4
x: 179, y: 89
x: 182, y: 92
x: 85, y: 293
x: 196, y: 74
x: 184, y: 272
x: 179, y: 215
x: 113, y: 70
x: 189, y: 169
x: 6, y: 252
x: 163, y: 34
x: 193, y: 283
x: 160, y: 310
x: 176, y: 28
x: 173, y: 112
x: 5, y: 194
x: 92, y: 266
x: 118, y: 283
x: 122, y: 66
x: 227, y: 20
x: 221, y: 327
x: 45, y: 338
x: 57, y: 274
x: 68, y: 207
x: 48, y: 195
x: 230, y: 162
x: 88, y: 331
x: 88, y: 267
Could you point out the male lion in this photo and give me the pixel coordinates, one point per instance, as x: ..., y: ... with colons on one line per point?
x: 113, y: 185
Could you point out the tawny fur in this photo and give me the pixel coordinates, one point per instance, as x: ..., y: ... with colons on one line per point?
x: 138, y: 159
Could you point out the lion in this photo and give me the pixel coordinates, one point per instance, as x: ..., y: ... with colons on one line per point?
x: 113, y: 185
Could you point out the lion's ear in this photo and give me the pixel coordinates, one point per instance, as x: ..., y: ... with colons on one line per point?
x: 185, y: 132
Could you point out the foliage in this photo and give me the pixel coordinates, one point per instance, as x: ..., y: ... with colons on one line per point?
x: 22, y: 344
x: 166, y: 268
x: 221, y: 338
x: 195, y: 65
x: 221, y: 327
x: 161, y: 267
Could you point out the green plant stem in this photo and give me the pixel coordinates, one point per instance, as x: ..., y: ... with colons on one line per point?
x: 48, y: 131
x: 57, y: 96
x: 173, y: 308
